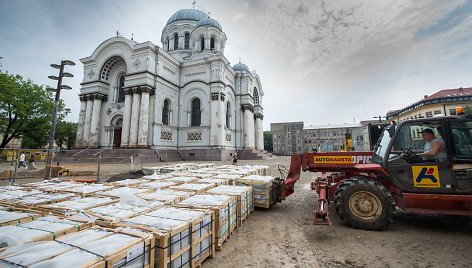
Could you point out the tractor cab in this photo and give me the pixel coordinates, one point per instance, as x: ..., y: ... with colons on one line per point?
x: 448, y: 172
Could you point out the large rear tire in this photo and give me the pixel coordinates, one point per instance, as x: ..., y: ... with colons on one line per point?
x: 364, y: 204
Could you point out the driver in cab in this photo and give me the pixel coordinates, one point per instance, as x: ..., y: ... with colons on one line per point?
x: 434, y: 148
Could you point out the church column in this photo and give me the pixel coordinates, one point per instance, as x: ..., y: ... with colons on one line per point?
x: 88, y: 117
x: 181, y: 41
x: 144, y: 117
x: 259, y: 132
x: 126, y: 118
x: 171, y: 44
x: 248, y: 126
x: 95, y: 121
x: 80, y: 125
x: 133, y: 136
x: 216, y: 120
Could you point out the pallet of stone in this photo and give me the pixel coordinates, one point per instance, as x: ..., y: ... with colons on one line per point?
x: 182, y: 179
x: 53, y: 185
x: 156, y: 185
x: 195, y: 188
x: 262, y: 188
x: 262, y: 170
x: 127, y: 182
x: 214, y: 181
x: 110, y: 215
x: 94, y: 247
x: 224, y: 207
x: 154, y: 175
x: 71, y: 207
x: 172, y: 239
x: 32, y: 201
x: 86, y: 190
x: 9, y: 217
x: 229, y: 177
x: 8, y: 196
x: 201, y: 175
x: 245, y: 202
x: 167, y: 196
x: 123, y: 191
x: 41, y: 229
x: 202, y: 223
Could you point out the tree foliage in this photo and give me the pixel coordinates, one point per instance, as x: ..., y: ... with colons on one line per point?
x: 468, y: 109
x: 268, y: 142
x: 65, y: 134
x: 25, y: 109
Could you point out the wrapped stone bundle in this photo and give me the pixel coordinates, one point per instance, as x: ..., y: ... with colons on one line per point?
x: 167, y: 196
x: 17, y: 217
x: 262, y: 188
x: 194, y: 188
x: 245, y: 204
x: 71, y: 207
x: 41, y: 229
x: 95, y: 247
x: 224, y: 207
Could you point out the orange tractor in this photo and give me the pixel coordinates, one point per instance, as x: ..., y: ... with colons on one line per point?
x: 365, y: 187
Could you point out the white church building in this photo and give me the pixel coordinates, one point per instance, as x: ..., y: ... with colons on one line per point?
x: 183, y: 96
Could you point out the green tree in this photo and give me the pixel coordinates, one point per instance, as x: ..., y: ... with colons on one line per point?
x: 268, y: 142
x: 468, y: 109
x: 25, y: 109
x: 65, y: 134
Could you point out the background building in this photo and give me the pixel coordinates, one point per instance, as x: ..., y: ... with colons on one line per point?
x: 329, y: 138
x: 185, y: 96
x: 442, y: 102
x: 287, y: 138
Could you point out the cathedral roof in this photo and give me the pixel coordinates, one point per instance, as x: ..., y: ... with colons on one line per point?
x: 240, y: 67
x: 209, y: 22
x: 187, y: 14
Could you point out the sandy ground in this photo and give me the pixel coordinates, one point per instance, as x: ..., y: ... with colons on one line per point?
x: 284, y: 236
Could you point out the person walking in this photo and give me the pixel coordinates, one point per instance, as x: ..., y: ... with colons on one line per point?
x: 31, y: 165
x: 21, y: 160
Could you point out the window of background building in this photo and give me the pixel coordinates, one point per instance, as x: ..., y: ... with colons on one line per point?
x: 429, y: 114
x: 437, y: 112
x: 196, y: 113
x: 452, y: 111
x: 187, y: 41
x: 165, y: 112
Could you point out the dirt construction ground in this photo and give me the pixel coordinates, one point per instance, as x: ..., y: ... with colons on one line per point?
x: 284, y: 236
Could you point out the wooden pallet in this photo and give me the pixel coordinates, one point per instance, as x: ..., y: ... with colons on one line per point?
x: 244, y: 201
x: 17, y: 217
x: 81, y: 250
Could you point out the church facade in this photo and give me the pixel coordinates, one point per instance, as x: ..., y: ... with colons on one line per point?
x: 184, y: 96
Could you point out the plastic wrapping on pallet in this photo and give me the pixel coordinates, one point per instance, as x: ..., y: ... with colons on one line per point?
x: 214, y: 181
x: 128, y: 182
x: 120, y: 191
x: 41, y: 229
x: 90, y: 248
x: 43, y: 198
x: 16, y: 217
x: 262, y: 188
x: 178, y: 233
x: 9, y: 195
x: 156, y: 184
x: 79, y: 204
x: 166, y: 196
x: 89, y: 188
x: 224, y: 207
x: 193, y: 187
x: 182, y: 179
x: 245, y: 204
x: 119, y: 211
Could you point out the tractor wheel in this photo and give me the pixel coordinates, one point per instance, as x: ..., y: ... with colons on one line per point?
x: 364, y: 204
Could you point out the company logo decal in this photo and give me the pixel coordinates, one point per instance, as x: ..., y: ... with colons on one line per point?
x: 354, y: 159
x: 426, y: 177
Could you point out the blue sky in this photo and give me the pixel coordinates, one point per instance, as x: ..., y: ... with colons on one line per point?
x: 321, y: 62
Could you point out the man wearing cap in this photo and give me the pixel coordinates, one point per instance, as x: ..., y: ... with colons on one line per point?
x: 434, y: 148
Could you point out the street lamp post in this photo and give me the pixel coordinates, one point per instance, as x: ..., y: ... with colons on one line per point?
x: 62, y: 74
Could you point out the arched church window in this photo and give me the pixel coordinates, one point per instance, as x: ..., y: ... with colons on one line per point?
x: 255, y: 96
x: 228, y: 112
x: 176, y: 41
x: 196, y: 113
x: 166, y: 112
x: 202, y: 43
x: 212, y: 43
x: 187, y: 41
x: 121, y: 90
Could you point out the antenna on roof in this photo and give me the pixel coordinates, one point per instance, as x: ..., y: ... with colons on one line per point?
x: 193, y: 4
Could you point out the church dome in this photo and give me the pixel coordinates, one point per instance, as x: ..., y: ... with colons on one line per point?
x: 208, y: 22
x: 241, y: 67
x: 187, y: 14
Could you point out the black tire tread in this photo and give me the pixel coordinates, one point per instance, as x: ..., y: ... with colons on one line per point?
x: 364, y: 183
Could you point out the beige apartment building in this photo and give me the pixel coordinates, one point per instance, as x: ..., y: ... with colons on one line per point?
x: 443, y: 102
